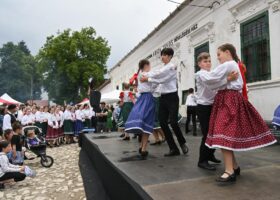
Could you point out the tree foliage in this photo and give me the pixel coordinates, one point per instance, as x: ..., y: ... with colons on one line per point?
x: 19, y: 71
x: 69, y: 59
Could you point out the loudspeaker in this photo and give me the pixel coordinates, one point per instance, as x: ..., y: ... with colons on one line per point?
x: 95, y: 97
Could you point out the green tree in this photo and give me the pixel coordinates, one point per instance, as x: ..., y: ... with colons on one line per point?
x: 19, y: 70
x: 69, y: 59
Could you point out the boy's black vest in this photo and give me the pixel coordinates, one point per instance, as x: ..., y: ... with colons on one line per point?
x: 13, y: 118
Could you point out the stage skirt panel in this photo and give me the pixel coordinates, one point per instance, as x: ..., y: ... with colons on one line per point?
x: 68, y: 127
x: 142, y: 116
x: 236, y: 125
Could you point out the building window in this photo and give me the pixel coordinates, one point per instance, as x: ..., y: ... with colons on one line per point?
x: 117, y: 88
x: 198, y: 50
x: 184, y: 96
x: 255, y: 48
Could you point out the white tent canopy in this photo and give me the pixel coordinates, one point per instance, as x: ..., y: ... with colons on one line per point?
x: 111, y: 97
x: 9, y: 99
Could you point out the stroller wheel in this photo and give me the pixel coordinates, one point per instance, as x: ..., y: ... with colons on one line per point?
x: 46, y: 161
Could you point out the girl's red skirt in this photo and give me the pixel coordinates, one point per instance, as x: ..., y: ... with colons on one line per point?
x: 236, y: 125
x: 52, y: 133
x: 60, y: 130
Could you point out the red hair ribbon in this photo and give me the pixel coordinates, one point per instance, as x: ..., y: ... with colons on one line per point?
x: 243, y: 70
x: 121, y: 95
x: 134, y: 79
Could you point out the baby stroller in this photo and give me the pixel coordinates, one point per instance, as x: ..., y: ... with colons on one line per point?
x: 276, y: 123
x: 39, y: 149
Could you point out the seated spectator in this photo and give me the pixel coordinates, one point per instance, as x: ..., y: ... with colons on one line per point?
x: 16, y: 142
x: 32, y: 140
x: 9, y: 171
x: 8, y: 134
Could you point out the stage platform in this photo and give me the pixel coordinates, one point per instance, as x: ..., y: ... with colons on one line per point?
x: 179, y: 178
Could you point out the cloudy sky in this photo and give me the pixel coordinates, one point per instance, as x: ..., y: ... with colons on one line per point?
x: 122, y: 22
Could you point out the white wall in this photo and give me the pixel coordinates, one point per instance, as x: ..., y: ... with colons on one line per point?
x: 219, y: 25
x: 107, y: 88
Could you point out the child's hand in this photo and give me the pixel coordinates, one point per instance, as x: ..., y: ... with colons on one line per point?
x: 232, y: 76
x: 22, y: 168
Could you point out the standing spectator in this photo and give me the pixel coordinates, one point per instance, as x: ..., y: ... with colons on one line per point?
x: 191, y: 111
x: 20, y: 112
x: 79, y: 121
x: 38, y: 117
x: 68, y: 124
x: 52, y: 131
x: 109, y: 125
x: 94, y: 119
x: 45, y: 117
x: 102, y: 118
x: 28, y: 118
x: 17, y: 142
x: 9, y: 118
x: 7, y: 170
x: 59, y: 118
x: 88, y: 113
x: 2, y: 113
x: 33, y: 112
x: 114, y: 123
x: 116, y: 113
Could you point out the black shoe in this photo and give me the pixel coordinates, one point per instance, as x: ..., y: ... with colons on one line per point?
x: 156, y: 143
x: 140, y: 150
x: 172, y: 153
x: 122, y: 135
x: 126, y: 138
x: 194, y: 134
x: 144, y: 154
x: 215, y: 160
x: 206, y: 165
x: 237, y: 171
x: 2, y: 186
x: 185, y: 149
x: 230, y: 179
x: 135, y: 136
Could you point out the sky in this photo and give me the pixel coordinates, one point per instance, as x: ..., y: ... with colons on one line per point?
x: 124, y: 23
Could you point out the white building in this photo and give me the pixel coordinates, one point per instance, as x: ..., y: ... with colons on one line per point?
x: 253, y: 26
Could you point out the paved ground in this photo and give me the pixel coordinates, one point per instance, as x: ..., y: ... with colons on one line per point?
x: 60, y: 182
x: 179, y: 178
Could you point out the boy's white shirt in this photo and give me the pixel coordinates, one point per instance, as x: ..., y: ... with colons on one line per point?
x: 166, y: 76
x: 209, y: 82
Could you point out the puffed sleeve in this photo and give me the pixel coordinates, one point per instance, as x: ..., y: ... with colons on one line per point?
x: 215, y: 78
x: 121, y: 95
x: 162, y: 75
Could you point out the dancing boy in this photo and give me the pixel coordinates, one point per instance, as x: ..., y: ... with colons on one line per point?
x: 205, y: 99
x: 169, y: 101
